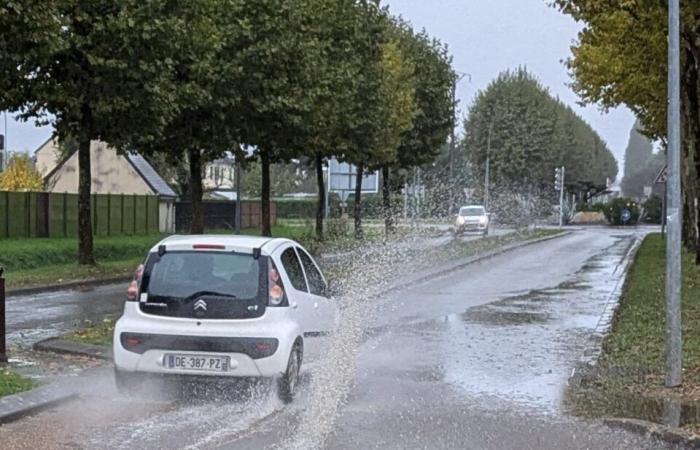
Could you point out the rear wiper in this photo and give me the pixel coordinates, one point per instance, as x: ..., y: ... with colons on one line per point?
x: 209, y: 294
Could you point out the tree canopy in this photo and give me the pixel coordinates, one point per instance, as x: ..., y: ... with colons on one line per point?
x: 620, y: 58
x: 530, y: 133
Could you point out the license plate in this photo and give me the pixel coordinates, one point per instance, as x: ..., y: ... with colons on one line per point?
x: 198, y: 362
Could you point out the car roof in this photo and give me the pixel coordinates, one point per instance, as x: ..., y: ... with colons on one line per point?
x: 474, y: 206
x: 233, y: 241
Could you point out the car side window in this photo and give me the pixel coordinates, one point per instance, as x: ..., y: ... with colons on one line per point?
x: 316, y: 284
x: 291, y: 265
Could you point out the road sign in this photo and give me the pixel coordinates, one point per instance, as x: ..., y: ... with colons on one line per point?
x: 626, y: 215
x: 342, y: 179
x: 662, y: 176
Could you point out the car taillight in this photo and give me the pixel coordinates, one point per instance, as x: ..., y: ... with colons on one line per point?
x: 132, y: 293
x: 276, y: 296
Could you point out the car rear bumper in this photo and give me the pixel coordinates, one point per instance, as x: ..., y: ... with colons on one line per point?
x: 235, y: 340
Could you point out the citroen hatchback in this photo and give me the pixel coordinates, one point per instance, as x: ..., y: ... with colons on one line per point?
x: 222, y: 306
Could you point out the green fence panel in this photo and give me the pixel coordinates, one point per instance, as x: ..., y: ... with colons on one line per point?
x: 115, y: 215
x: 56, y: 215
x: 32, y: 213
x: 153, y: 215
x: 102, y: 215
x: 128, y: 219
x: 18, y: 214
x: 141, y: 226
x: 4, y: 215
x: 72, y: 215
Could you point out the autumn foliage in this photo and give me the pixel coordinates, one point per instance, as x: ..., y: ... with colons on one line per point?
x: 21, y: 175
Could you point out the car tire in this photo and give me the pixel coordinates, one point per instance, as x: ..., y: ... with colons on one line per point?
x: 288, y: 383
x: 127, y: 382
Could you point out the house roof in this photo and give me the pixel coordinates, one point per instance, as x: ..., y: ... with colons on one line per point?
x: 145, y: 170
x: 150, y: 176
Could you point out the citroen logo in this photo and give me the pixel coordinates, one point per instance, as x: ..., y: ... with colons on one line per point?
x: 200, y: 305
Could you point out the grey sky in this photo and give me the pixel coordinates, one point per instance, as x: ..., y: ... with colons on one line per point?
x: 485, y: 37
x: 488, y: 36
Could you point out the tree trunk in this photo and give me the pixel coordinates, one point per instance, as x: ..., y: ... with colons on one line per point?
x: 266, y: 226
x: 690, y: 164
x: 86, y: 254
x: 358, y: 201
x: 386, y: 199
x: 195, y: 157
x: 321, y: 209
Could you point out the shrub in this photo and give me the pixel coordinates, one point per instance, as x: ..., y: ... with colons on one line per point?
x: 591, y: 207
x: 614, y: 209
x: 652, y: 210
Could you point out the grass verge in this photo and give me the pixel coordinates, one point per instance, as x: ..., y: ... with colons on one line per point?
x: 12, y: 383
x: 53, y: 261
x: 99, y: 333
x: 628, y: 381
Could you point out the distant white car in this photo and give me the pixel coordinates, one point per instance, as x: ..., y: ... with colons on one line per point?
x: 472, y: 218
x: 222, y: 306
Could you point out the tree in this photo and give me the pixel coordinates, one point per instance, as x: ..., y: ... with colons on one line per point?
x: 433, y: 121
x: 92, y: 69
x: 20, y: 175
x: 205, y: 75
x: 641, y: 167
x: 620, y: 58
x: 525, y: 133
x: 397, y: 92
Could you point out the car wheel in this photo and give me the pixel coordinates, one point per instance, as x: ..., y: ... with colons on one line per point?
x: 288, y: 383
x: 127, y: 382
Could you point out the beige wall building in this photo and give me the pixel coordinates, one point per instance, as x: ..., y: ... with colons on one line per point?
x: 112, y: 173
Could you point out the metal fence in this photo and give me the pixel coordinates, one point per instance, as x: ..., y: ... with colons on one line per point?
x: 43, y: 214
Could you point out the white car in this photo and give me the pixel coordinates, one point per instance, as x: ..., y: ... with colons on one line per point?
x: 472, y: 218
x: 222, y: 306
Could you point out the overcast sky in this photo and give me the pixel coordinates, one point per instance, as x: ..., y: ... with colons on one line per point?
x: 488, y: 36
x: 485, y: 37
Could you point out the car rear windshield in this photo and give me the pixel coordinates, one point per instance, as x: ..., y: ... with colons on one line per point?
x: 232, y: 285
x: 471, y: 212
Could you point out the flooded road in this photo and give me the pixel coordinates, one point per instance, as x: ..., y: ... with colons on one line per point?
x: 476, y: 358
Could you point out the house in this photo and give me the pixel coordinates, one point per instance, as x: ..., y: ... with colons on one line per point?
x: 219, y: 179
x: 112, y: 173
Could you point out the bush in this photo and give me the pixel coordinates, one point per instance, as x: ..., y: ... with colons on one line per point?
x: 591, y: 207
x: 653, y: 210
x: 614, y: 209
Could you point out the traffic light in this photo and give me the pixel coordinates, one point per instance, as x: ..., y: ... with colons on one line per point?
x: 557, y: 179
x: 2, y: 142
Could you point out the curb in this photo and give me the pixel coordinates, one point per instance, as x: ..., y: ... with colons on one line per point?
x: 657, y: 431
x: 17, y: 406
x: 58, y: 345
x: 18, y: 292
x: 594, y: 349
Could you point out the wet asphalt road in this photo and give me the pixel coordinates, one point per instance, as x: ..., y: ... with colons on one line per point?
x: 477, y: 358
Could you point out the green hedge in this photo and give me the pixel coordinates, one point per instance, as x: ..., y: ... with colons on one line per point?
x: 613, y: 211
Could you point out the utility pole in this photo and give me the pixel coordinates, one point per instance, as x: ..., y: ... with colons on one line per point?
x: 488, y: 167
x: 674, y: 343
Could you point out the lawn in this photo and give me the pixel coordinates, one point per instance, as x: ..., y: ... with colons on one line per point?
x: 629, y: 379
x: 53, y: 261
x: 11, y: 383
x: 93, y: 333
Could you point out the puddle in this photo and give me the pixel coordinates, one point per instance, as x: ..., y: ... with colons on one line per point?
x: 492, y: 316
